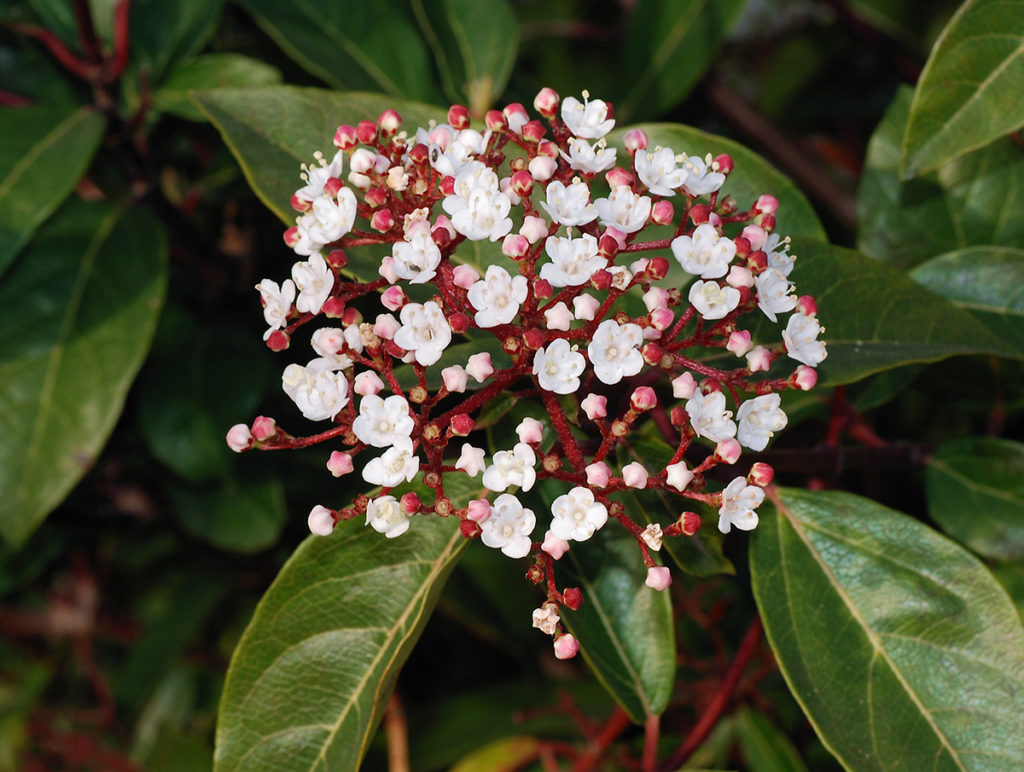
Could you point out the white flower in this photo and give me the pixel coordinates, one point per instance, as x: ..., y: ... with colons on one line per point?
x: 512, y: 467
x: 678, y: 475
x: 277, y: 303
x: 613, y: 351
x: 588, y: 120
x: 558, y: 367
x: 416, y: 259
x: 576, y: 515
x: 573, y: 261
x: 509, y: 527
x: 587, y: 158
x: 801, y: 339
x: 759, y: 418
x: 709, y: 418
x: 546, y: 618
x: 658, y: 171
x: 700, y: 178
x: 623, y: 209
x: 706, y: 254
x: 385, y: 515
x: 652, y: 536
x: 398, y: 463
x: 776, y: 248
x: 328, y: 342
x: 484, y: 215
x: 327, y: 221
x: 382, y: 421
x: 471, y: 460
x: 316, y: 175
x: 569, y: 205
x: 774, y: 293
x: 424, y: 331
x: 739, y: 501
x: 497, y: 297
x: 558, y: 317
x: 712, y: 300
x: 315, y: 281
x: 320, y: 521
x: 319, y: 395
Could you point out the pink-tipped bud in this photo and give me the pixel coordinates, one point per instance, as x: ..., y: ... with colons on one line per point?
x: 533, y: 131
x: 377, y: 197
x: 728, y: 451
x: 689, y: 522
x: 766, y: 221
x: 739, y: 343
x: 515, y: 116
x: 345, y: 138
x: 522, y: 184
x: 291, y: 236
x: 515, y: 246
x: 657, y: 268
x: 804, y: 378
x: 572, y: 598
x: 337, y: 259
x: 723, y: 163
x: 566, y: 646
x: 761, y: 474
x: 366, y: 132
x: 663, y: 213
x: 806, y: 305
x: 300, y: 204
x: 462, y: 424
x: 367, y: 382
x: 478, y: 510
x: 658, y: 578
x: 332, y: 186
x: 469, y: 529
x: 767, y: 204
x: 465, y: 276
x: 684, y: 386
x: 546, y: 102
x: 758, y: 359
x: 679, y: 417
x: 385, y: 326
x: 530, y: 431
x: 495, y: 120
x: 458, y: 117
x: 652, y: 353
x: 757, y: 262
x: 609, y: 244
x: 643, y: 398
x: 554, y: 546
x: 459, y: 322
x: 542, y: 289
x: 390, y: 120
x: 598, y: 474
x: 558, y: 317
x: 321, y: 521
x: 739, y: 277
x: 333, y: 308
x: 394, y: 298
x: 382, y: 221
x: 410, y: 503
x: 534, y: 228
x: 455, y: 378
x: 239, y: 438
x: 634, y: 475
x: 448, y: 185
x: 420, y: 154
x: 548, y: 149
x: 278, y: 340
x: 618, y: 176
x: 534, y: 338
x: 263, y: 428
x: 585, y: 306
x: 699, y: 214
x: 340, y: 463
x: 595, y: 406
x: 635, y: 139
x: 755, y: 235
x: 601, y: 279
x: 662, y: 318
x: 351, y: 316
x: 542, y: 168
x: 479, y: 367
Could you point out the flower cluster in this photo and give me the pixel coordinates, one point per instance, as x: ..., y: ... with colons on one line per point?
x: 606, y: 271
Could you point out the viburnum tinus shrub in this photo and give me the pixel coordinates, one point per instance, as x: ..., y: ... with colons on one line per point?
x: 590, y: 323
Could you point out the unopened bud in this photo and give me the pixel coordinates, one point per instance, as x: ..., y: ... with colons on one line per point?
x: 761, y: 474
x: 658, y: 578
x: 657, y: 268
x: 595, y: 406
x: 804, y: 378
x: 494, y: 120
x: 469, y: 529
x: 618, y: 176
x: 459, y: 322
x: 300, y: 204
x: 366, y: 132
x: 806, y: 305
x: 652, y: 352
x: 728, y: 451
x: 572, y: 598
x: 345, y: 138
x: 546, y: 102
x: 382, y: 221
x: 542, y: 289
x: 339, y: 463
x: 478, y: 510
x: 411, y: 503
x: 278, y: 340
x: 643, y: 397
x: 690, y: 523
x: 533, y: 131
x: 635, y: 139
x: 699, y: 214
x: 465, y: 276
x: 239, y: 438
x: 634, y: 475
x: 394, y: 298
x: 566, y: 646
x: 321, y: 521
x: 263, y: 428
x: 723, y: 163
x: 663, y: 213
x: 462, y: 424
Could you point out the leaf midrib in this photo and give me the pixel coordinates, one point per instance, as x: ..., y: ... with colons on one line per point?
x: 28, y: 160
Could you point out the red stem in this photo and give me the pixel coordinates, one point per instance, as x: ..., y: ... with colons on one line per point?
x: 616, y: 725
x: 56, y: 46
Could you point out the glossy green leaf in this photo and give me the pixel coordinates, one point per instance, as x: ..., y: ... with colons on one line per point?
x: 669, y: 45
x: 970, y: 90
x: 765, y: 748
x: 624, y: 628
x: 311, y: 677
x: 899, y: 645
x: 209, y: 72
x: 240, y: 514
x: 44, y: 153
x: 77, y: 316
x: 474, y: 44
x: 751, y: 175
x: 507, y: 753
x: 987, y: 281
x: 974, y: 200
x: 875, y: 317
x: 350, y: 48
x: 163, y: 34
x: 975, y: 488
x: 273, y: 130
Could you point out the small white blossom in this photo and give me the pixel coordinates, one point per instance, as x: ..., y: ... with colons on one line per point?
x: 382, y: 421
x: 277, y: 303
x: 576, y: 515
x: 739, y: 501
x: 706, y: 254
x: 623, y: 209
x: 319, y: 395
x: 759, y: 418
x: 328, y: 220
x: 587, y: 158
x: 712, y: 300
x: 613, y: 351
x: 315, y: 281
x: 471, y: 460
x: 416, y: 259
x: 708, y: 416
x: 482, y: 214
x: 658, y: 171
x: 678, y: 475
x: 328, y: 343
x: 573, y: 261
x: 497, y: 297
x: 385, y: 515
x: 569, y: 205
x: 652, y: 536
x: 316, y: 175
x: 509, y: 527
x: 774, y: 293
x: 558, y: 367
x: 512, y: 467
x: 546, y: 618
x: 424, y: 331
x: 801, y: 339
x: 398, y: 463
x: 588, y: 120
x: 701, y: 179
x: 320, y: 521
x: 776, y: 248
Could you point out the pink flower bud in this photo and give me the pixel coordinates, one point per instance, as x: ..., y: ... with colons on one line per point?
x: 533, y: 131
x: 757, y: 262
x: 546, y: 102
x: 723, y: 163
x: 548, y: 149
x: 455, y: 378
x: 263, y: 428
x: 465, y: 276
x: 530, y: 430
x: 806, y: 305
x: 494, y: 120
x: 655, y: 297
x: 755, y: 235
x: 635, y: 139
x: 699, y: 214
x: 366, y: 132
x: 658, y: 268
x: 542, y: 288
x: 300, y: 204
x: 291, y: 236
x: 410, y: 503
x: 566, y: 646
x: 390, y: 120
x: 542, y: 168
x: 585, y: 306
x: 515, y: 246
x: 387, y: 269
x: 595, y: 406
x: 394, y: 298
x: 321, y: 521
x: 758, y: 359
x: 479, y: 366
x: 345, y: 138
x: 804, y: 378
x: 278, y: 340
x: 715, y: 219
x: 652, y: 353
x: 766, y: 221
x: 683, y: 386
x: 382, y: 221
x: 558, y: 317
x: 767, y: 204
x: 678, y: 475
x: 739, y: 343
x: 689, y: 522
x: 728, y: 451
x: 658, y: 578
x: 739, y: 277
x: 662, y: 318
x: 634, y: 475
x: 572, y: 598
x: 458, y: 117
x: 663, y: 213
x: 239, y: 438
x: 351, y: 316
x: 534, y: 338
x: 385, y: 326
x: 598, y: 474
x: 462, y: 424
x: 478, y: 510
x: 601, y: 280
x: 368, y: 382
x: 618, y: 176
x: 761, y: 474
x: 339, y: 463
x: 459, y: 322
x: 554, y: 546
x: 534, y: 228
x: 643, y: 398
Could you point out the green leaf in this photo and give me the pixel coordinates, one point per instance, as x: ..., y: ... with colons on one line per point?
x: 765, y: 748
x: 162, y: 34
x: 969, y: 92
x: 987, y: 281
x: 669, y: 45
x: 875, y: 317
x: 624, y: 628
x: 209, y: 72
x: 507, y: 753
x: 44, y: 153
x: 751, y: 176
x: 349, y: 48
x: 273, y: 130
x: 899, y: 645
x: 975, y: 488
x: 474, y: 44
x: 972, y: 201
x: 311, y: 677
x: 78, y: 314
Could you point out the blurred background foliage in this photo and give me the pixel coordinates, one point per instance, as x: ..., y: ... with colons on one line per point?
x: 119, y: 612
